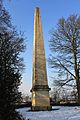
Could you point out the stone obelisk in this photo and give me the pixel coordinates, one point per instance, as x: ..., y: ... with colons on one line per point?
x: 40, y: 89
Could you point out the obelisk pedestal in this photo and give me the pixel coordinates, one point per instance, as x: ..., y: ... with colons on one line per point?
x: 40, y: 89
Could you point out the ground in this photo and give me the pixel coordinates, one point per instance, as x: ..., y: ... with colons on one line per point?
x: 58, y: 113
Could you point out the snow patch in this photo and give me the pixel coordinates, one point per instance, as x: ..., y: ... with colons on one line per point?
x: 58, y: 113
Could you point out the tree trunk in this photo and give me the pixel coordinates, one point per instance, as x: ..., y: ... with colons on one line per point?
x: 76, y: 69
x: 78, y: 86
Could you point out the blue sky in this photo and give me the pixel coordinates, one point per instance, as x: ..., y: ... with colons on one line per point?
x: 22, y: 14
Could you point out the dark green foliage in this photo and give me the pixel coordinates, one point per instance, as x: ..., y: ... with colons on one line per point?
x: 11, y: 45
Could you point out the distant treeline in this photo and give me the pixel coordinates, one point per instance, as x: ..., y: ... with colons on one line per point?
x: 28, y: 104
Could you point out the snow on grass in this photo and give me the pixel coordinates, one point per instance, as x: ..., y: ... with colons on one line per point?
x: 58, y: 113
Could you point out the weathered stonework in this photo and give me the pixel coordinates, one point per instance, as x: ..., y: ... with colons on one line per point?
x: 40, y: 89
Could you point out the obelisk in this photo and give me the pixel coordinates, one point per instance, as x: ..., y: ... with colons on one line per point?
x: 40, y: 88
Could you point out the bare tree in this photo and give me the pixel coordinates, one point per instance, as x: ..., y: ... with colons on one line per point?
x: 65, y: 48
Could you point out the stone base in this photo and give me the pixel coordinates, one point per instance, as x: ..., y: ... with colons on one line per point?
x: 39, y: 108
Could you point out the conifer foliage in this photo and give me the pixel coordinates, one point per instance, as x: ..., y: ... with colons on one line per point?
x: 11, y: 45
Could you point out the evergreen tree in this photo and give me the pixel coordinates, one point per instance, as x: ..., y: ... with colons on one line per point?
x: 11, y: 45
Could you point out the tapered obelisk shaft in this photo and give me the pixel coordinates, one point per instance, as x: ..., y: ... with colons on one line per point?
x: 40, y: 89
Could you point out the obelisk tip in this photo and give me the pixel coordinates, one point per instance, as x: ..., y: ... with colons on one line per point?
x: 37, y: 12
x: 37, y: 8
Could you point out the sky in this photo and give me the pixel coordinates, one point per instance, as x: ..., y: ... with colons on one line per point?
x: 22, y: 15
